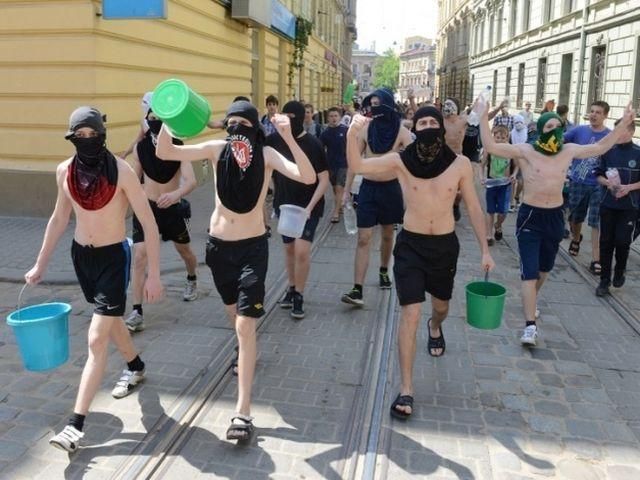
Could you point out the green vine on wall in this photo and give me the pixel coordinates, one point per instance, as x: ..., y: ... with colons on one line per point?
x: 300, y: 43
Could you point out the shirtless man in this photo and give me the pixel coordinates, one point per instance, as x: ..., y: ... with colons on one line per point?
x: 379, y: 198
x: 99, y: 187
x: 165, y: 183
x: 237, y: 249
x: 540, y: 224
x: 427, y: 248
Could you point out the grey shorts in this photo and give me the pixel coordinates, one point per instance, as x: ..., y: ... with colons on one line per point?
x: 338, y: 177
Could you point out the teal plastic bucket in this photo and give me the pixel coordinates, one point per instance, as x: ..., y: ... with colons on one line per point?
x: 181, y: 109
x: 485, y: 304
x: 42, y: 333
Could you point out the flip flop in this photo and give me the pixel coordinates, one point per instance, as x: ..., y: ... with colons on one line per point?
x: 435, y: 342
x: 335, y: 219
x: 401, y: 401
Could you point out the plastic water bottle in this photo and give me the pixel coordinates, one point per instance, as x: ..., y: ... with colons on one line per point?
x: 474, y: 116
x: 350, y: 220
x: 614, y: 179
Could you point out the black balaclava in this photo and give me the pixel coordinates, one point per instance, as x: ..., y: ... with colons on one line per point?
x: 297, y: 121
x: 240, y: 169
x: 383, y: 129
x: 429, y: 155
x: 93, y: 173
x: 160, y: 171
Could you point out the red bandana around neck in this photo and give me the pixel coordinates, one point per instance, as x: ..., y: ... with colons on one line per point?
x: 90, y: 187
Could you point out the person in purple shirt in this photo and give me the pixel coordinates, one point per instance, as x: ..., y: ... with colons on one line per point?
x: 584, y: 190
x: 334, y: 140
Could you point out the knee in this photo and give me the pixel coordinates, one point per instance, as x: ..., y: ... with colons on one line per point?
x: 364, y: 240
x: 245, y: 327
x: 441, y: 309
x: 98, y: 342
x: 411, y: 315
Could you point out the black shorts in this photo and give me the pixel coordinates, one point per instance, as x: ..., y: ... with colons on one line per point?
x: 379, y: 203
x: 239, y: 270
x: 308, y: 233
x: 171, y: 224
x: 424, y: 263
x: 103, y: 274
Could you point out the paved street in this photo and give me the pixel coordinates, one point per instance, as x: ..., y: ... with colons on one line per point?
x: 488, y: 409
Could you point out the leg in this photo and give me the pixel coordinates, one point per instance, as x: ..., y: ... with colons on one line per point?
x: 489, y: 219
x: 98, y: 340
x: 607, y: 242
x: 338, y: 192
x: 189, y: 258
x: 138, y: 274
x: 530, y: 290
x: 302, y: 263
x: 121, y: 338
x: 409, y: 322
x: 290, y: 261
x: 246, y: 332
x: 439, y: 311
x: 386, y: 245
x: 500, y: 220
x: 623, y: 238
x: 595, y: 244
x: 362, y: 254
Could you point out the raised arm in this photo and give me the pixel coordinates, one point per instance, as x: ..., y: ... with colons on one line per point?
x: 166, y: 150
x: 605, y: 144
x: 301, y: 171
x: 140, y: 206
x: 55, y: 228
x: 384, y: 163
x: 502, y: 149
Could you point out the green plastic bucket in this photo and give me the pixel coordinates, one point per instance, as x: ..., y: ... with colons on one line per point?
x: 485, y: 304
x: 184, y: 111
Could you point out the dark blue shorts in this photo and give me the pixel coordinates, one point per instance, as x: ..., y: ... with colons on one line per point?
x: 308, y: 233
x: 539, y: 232
x: 498, y: 199
x: 379, y: 203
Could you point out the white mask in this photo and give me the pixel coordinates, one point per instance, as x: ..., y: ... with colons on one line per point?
x: 519, y: 125
x: 449, y: 108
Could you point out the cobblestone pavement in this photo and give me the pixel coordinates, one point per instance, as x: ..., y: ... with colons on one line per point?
x: 488, y: 409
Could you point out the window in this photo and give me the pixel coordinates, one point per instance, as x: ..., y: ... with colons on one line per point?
x: 482, y: 35
x: 598, y: 58
x: 507, y: 87
x: 526, y: 12
x: 499, y: 27
x: 636, y: 86
x: 542, y: 82
x: 512, y: 20
x: 547, y: 11
x: 494, y: 93
x: 520, y: 89
x: 491, y: 22
x: 567, y: 7
x: 565, y: 79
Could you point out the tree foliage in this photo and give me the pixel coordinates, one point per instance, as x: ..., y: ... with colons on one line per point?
x: 387, y: 70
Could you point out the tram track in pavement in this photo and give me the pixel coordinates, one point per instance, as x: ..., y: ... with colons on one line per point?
x: 169, y: 435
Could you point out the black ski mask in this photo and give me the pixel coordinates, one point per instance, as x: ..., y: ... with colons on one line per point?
x: 160, y: 171
x: 428, y: 156
x: 240, y: 168
x: 297, y: 120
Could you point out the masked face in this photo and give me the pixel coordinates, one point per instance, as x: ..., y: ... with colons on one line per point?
x: 295, y: 111
x: 519, y: 126
x: 154, y: 126
x: 242, y: 139
x: 449, y: 108
x: 429, y: 144
x: 89, y: 148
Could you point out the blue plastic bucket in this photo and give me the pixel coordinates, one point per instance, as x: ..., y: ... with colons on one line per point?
x: 42, y: 333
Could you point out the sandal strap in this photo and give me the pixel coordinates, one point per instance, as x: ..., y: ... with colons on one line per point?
x: 248, y: 420
x: 403, y: 401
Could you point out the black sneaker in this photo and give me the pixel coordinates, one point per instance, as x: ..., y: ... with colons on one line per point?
x: 298, y: 310
x: 618, y: 280
x: 385, y: 281
x: 354, y: 297
x: 456, y: 212
x: 287, y: 300
x: 497, y: 235
x: 602, y: 289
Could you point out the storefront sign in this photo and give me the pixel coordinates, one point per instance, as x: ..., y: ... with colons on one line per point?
x: 282, y: 19
x: 127, y: 9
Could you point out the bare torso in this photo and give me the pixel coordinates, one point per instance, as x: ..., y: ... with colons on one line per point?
x: 543, y: 176
x: 429, y: 202
x: 455, y: 126
x: 154, y: 189
x: 402, y: 141
x: 105, y: 226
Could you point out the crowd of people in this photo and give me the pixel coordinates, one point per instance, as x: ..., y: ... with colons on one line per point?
x: 405, y: 167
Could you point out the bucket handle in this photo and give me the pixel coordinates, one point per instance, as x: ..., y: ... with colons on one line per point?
x: 20, y: 298
x: 486, y: 280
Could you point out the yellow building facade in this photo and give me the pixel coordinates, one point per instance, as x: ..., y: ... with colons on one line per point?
x: 59, y: 54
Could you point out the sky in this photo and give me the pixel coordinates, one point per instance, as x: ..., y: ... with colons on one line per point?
x: 386, y: 21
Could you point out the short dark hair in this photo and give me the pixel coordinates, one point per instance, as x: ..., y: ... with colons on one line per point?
x: 271, y: 99
x: 562, y: 109
x: 308, y: 105
x: 602, y: 104
x: 631, y: 127
x: 500, y: 128
x: 334, y: 109
x: 240, y: 98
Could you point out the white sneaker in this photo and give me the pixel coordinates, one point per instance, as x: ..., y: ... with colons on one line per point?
x: 190, y: 291
x: 537, y: 314
x: 530, y: 336
x: 134, y: 322
x: 68, y: 439
x: 127, y: 382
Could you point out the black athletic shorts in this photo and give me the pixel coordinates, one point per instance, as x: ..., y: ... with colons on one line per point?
x: 308, y: 233
x: 424, y: 263
x: 379, y: 203
x: 171, y: 224
x: 103, y: 274
x: 239, y: 270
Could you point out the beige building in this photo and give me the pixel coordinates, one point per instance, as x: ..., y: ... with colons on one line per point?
x: 60, y: 54
x: 572, y: 51
x: 454, y: 28
x: 363, y: 69
x: 417, y: 69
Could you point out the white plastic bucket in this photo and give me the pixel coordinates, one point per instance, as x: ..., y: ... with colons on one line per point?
x: 292, y: 221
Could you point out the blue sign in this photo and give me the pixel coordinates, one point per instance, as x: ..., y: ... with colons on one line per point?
x: 123, y: 9
x: 282, y: 19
